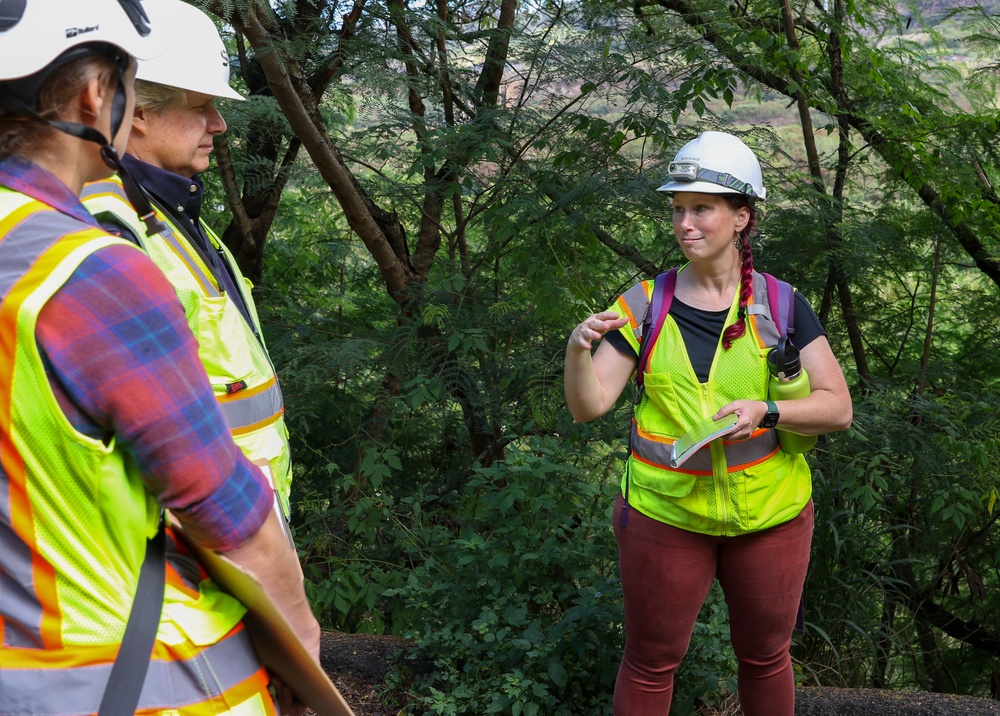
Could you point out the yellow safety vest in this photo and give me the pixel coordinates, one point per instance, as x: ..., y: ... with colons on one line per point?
x: 727, y: 487
x: 233, y: 352
x: 75, y: 517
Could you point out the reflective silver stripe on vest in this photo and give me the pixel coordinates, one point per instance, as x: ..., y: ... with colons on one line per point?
x: 253, y: 409
x: 20, y: 607
x: 169, y: 684
x: 177, y: 246
x: 739, y: 454
x: 31, y: 238
x: 638, y: 303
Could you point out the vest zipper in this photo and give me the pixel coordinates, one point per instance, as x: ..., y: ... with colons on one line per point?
x: 720, y: 475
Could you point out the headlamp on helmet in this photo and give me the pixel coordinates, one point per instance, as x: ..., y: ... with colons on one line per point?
x: 691, y: 172
x: 683, y: 171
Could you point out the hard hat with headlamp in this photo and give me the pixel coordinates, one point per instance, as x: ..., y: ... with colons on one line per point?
x: 716, y: 163
x: 199, y: 64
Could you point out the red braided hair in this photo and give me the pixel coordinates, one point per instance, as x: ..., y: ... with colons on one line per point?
x: 746, y: 271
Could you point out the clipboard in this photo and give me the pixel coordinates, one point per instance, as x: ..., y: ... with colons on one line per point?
x: 277, y: 646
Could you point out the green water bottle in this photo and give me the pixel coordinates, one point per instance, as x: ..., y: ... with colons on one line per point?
x: 788, y: 381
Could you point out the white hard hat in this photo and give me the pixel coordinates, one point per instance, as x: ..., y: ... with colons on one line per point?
x: 33, y: 33
x: 200, y: 63
x: 716, y: 163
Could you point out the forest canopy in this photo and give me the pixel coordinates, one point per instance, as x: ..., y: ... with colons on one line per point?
x: 430, y: 195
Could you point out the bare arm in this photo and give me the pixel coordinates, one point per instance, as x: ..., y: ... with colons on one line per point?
x: 826, y: 409
x: 267, y: 556
x: 594, y: 382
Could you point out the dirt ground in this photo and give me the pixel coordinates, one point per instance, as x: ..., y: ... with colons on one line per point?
x: 358, y: 663
x: 874, y: 702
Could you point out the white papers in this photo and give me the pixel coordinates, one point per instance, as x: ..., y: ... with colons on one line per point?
x: 700, y: 433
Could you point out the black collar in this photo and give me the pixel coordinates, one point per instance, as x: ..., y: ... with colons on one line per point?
x: 180, y: 195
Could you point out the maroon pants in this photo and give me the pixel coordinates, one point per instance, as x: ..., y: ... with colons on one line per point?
x: 666, y: 573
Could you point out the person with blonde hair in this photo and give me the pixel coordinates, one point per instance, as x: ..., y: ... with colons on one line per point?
x: 171, y: 144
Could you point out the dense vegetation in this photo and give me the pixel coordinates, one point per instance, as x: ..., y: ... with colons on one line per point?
x: 430, y: 196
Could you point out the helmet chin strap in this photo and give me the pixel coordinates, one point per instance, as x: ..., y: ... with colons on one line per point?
x: 136, y: 196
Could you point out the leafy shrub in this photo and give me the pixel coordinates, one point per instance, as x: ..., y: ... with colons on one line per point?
x: 708, y: 673
x: 522, y: 613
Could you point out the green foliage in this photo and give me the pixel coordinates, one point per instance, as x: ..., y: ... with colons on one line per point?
x: 441, y: 490
x: 521, y: 612
x: 708, y: 673
x: 905, y: 516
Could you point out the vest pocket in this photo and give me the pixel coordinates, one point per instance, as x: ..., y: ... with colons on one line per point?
x: 771, y: 471
x: 777, y: 487
x: 661, y: 401
x: 222, y: 341
x: 665, y: 482
x: 657, y: 415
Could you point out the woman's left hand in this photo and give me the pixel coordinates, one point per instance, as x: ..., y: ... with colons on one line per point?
x: 827, y: 407
x: 749, y: 412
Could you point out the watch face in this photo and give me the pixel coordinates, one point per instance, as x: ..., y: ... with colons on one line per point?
x: 770, y: 420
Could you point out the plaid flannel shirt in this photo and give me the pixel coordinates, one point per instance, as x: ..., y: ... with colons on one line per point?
x: 121, y: 360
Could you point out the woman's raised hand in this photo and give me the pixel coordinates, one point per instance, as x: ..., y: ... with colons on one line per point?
x: 593, y: 329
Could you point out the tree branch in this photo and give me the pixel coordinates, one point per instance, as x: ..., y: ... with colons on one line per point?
x: 295, y: 97
x: 897, y: 155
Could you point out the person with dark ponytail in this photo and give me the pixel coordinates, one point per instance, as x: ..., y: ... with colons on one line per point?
x: 739, y: 509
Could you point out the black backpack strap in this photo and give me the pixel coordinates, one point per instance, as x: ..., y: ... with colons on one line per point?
x: 140, y: 202
x: 128, y: 674
x: 116, y: 227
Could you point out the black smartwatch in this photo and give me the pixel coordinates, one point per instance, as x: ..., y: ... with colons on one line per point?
x: 771, y: 416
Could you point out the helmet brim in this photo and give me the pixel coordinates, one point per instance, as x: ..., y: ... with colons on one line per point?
x: 149, y: 71
x: 702, y: 187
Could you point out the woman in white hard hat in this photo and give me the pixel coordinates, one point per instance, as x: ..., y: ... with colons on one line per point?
x: 739, y: 508
x: 107, y: 416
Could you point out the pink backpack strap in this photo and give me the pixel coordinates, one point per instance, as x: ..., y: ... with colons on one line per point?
x: 652, y: 322
x: 656, y: 313
x: 781, y: 301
